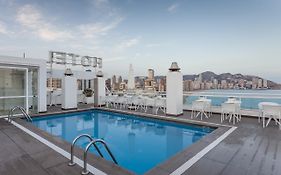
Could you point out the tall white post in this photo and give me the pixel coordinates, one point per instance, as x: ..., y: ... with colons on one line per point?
x: 99, y: 89
x: 42, y: 87
x: 131, y: 79
x: 69, y: 91
x: 174, y: 91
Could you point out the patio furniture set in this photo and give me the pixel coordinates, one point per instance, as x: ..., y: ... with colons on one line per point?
x: 231, y: 111
x: 136, y: 102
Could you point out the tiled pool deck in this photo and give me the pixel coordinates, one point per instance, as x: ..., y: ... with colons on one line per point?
x: 250, y: 150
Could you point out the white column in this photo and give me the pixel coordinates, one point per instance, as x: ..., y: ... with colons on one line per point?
x: 69, y: 92
x: 26, y: 90
x: 174, y: 91
x: 99, y: 90
x: 42, y: 88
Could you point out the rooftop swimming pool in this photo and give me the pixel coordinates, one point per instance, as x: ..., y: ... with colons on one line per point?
x: 138, y: 143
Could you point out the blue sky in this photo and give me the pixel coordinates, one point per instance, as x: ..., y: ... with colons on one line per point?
x: 237, y: 36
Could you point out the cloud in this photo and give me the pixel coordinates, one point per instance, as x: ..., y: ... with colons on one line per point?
x: 97, y: 29
x: 8, y: 3
x: 173, y: 8
x: 128, y: 43
x: 153, y: 45
x: 99, y: 3
x: 31, y: 18
x: 3, y: 29
x: 114, y: 59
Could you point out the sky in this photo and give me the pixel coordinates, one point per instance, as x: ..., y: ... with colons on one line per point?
x: 236, y: 36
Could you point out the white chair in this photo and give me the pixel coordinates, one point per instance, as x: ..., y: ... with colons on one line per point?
x: 124, y: 102
x: 148, y: 102
x: 141, y: 103
x: 231, y: 111
x: 110, y: 100
x: 129, y: 101
x: 107, y: 100
x: 160, y: 103
x: 121, y: 101
x: 199, y: 108
x: 260, y: 105
x: 102, y: 101
x: 137, y: 102
x: 272, y: 112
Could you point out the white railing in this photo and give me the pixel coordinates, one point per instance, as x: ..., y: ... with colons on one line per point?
x: 249, y: 101
x: 230, y: 94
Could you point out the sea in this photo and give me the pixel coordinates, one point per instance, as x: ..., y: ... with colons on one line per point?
x: 249, y: 98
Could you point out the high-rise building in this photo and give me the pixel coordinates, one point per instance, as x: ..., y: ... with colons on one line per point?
x: 255, y: 83
x: 150, y: 74
x: 150, y: 83
x: 131, y: 78
x: 188, y: 85
x: 215, y: 84
x: 249, y: 84
x: 260, y: 84
x: 162, y: 85
x: 108, y: 84
x: 200, y: 78
x: 54, y: 82
x: 241, y: 83
x: 224, y: 84
x: 119, y: 80
x: 140, y: 81
x: 114, y: 83
x: 265, y: 85
x: 196, y: 85
x: 122, y: 86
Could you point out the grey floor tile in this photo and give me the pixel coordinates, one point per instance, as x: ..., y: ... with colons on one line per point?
x: 8, y: 149
x: 25, y: 141
x: 206, y: 167
x: 49, y: 158
x: 23, y: 165
x: 64, y: 169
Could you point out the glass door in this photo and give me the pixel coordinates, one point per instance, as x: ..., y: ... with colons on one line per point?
x: 13, y: 88
x: 33, y: 90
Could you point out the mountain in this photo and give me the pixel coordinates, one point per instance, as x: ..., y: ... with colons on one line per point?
x: 233, y: 78
x: 209, y: 76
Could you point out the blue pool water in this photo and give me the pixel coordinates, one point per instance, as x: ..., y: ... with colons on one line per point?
x: 249, y: 98
x: 137, y: 143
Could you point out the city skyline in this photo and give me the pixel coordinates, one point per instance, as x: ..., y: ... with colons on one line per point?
x: 203, y: 81
x: 221, y: 36
x: 125, y: 76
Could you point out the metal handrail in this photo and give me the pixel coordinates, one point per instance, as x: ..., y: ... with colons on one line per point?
x: 85, y: 171
x: 11, y: 114
x: 72, y: 163
x: 233, y: 94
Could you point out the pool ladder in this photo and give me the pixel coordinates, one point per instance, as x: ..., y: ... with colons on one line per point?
x: 91, y: 143
x: 24, y: 113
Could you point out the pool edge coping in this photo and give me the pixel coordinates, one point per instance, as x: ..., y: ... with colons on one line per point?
x: 175, y: 170
x: 58, y: 149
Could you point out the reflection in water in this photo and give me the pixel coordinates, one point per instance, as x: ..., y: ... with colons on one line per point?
x: 111, y: 119
x: 132, y: 143
x: 51, y: 124
x: 197, y: 136
x: 160, y: 130
x: 174, y: 140
x: 53, y: 127
x: 131, y: 139
x: 137, y: 125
